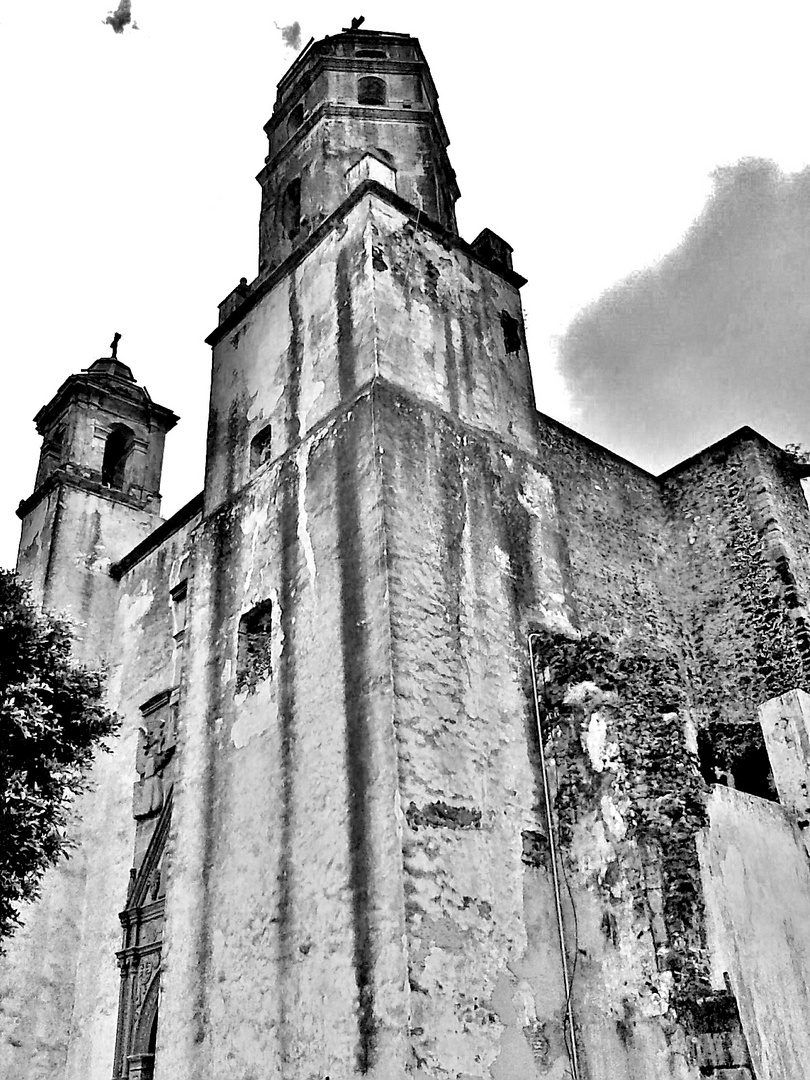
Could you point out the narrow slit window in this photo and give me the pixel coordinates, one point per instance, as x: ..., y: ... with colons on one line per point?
x: 291, y: 208
x: 260, y: 447
x: 371, y: 91
x: 253, y: 656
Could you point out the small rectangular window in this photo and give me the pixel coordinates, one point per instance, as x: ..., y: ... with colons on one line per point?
x: 260, y: 447
x: 253, y: 654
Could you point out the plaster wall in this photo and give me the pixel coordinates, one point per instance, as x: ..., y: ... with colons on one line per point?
x: 305, y: 347
x: 60, y: 979
x: 69, y: 542
x: 407, y: 144
x: 440, y: 332
x: 757, y: 886
x: 284, y: 913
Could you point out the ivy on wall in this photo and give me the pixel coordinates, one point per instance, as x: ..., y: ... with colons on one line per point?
x: 650, y: 770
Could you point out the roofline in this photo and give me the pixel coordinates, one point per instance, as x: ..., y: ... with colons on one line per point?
x: 545, y: 418
x: 740, y: 434
x: 305, y: 53
x: 369, y: 187
x: 157, y: 537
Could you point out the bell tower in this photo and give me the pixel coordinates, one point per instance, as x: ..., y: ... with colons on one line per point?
x: 96, y: 492
x: 359, y: 94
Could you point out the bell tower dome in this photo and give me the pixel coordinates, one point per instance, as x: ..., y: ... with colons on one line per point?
x: 361, y: 94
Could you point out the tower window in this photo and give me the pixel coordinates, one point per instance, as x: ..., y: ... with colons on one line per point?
x: 55, y: 442
x: 371, y: 91
x: 375, y: 54
x: 253, y: 648
x: 291, y: 208
x: 511, y: 332
x: 116, y: 453
x: 295, y: 120
x: 260, y: 447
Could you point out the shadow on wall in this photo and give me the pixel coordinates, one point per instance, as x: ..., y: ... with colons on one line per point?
x: 715, y: 336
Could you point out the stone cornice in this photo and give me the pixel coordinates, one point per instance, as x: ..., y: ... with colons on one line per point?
x: 90, y: 484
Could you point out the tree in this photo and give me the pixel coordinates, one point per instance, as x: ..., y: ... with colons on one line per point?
x: 53, y: 717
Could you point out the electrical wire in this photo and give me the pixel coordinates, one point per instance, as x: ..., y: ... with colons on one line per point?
x: 569, y: 1032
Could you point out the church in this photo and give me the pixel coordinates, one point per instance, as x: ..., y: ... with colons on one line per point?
x: 453, y: 746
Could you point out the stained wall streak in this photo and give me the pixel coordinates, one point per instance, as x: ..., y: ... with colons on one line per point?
x: 289, y: 561
x: 345, y: 325
x: 222, y: 602
x: 355, y: 666
x: 294, y: 360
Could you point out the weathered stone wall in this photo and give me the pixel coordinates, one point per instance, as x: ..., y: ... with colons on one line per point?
x: 473, y: 533
x: 284, y: 918
x: 142, y: 662
x: 740, y: 528
x: 614, y: 540
x: 69, y: 542
x: 298, y: 353
x: 449, y: 329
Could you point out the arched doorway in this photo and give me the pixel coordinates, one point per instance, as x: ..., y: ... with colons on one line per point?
x: 141, y: 1061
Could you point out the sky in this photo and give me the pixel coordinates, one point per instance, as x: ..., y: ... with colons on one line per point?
x: 645, y: 161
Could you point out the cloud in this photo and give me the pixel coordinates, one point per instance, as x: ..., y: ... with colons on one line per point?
x: 121, y: 17
x: 292, y: 35
x: 714, y: 336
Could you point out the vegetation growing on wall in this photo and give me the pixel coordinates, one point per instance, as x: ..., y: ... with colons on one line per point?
x: 52, y: 719
x: 649, y: 770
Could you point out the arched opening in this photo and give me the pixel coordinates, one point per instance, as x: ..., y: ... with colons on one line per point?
x: 116, y: 454
x: 371, y: 91
x: 141, y: 1059
x: 152, y: 1044
x: 291, y: 208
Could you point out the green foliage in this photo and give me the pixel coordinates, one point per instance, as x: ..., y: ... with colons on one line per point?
x: 52, y: 719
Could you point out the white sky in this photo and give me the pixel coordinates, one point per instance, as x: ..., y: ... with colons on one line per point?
x: 582, y: 132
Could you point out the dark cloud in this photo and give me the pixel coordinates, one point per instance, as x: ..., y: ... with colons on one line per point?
x: 121, y: 17
x: 292, y: 35
x: 715, y: 336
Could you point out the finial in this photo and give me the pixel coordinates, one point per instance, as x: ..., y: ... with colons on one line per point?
x: 358, y: 22
x: 114, y: 346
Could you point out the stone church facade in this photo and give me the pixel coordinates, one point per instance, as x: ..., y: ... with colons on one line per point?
x: 453, y: 745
